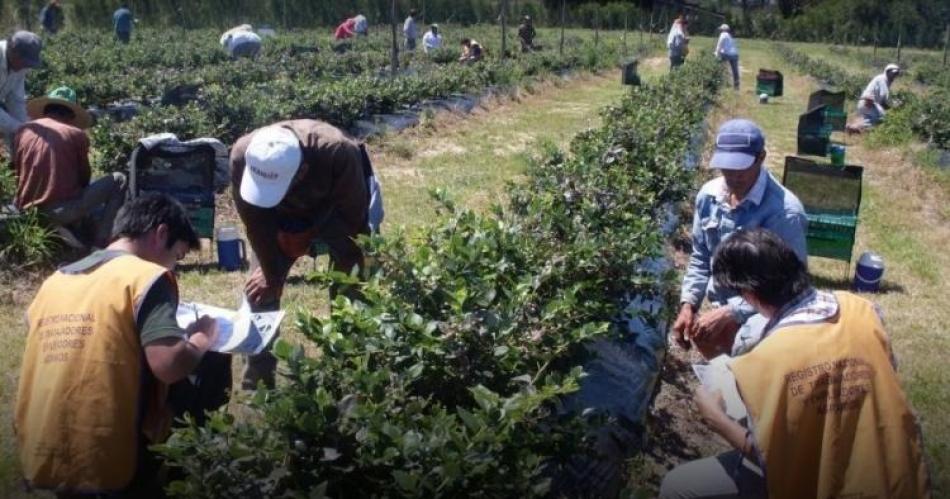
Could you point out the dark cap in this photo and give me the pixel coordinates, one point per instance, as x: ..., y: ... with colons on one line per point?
x: 27, y: 46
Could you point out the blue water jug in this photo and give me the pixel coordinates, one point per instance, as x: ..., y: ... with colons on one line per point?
x: 231, y: 249
x: 868, y: 273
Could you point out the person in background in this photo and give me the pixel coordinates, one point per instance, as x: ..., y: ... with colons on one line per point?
x: 410, y: 31
x: 432, y: 40
x: 471, y: 51
x: 296, y: 182
x: 346, y: 29
x: 51, y: 161
x: 825, y: 415
x: 122, y: 22
x: 526, y: 34
x: 726, y: 50
x: 52, y: 18
x: 241, y: 41
x: 745, y: 196
x: 677, y: 42
x: 361, y: 25
x: 102, y: 349
x: 18, y: 54
x: 875, y: 99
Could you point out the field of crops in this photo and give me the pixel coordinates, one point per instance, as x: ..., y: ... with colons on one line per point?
x: 507, y: 351
x: 228, y: 98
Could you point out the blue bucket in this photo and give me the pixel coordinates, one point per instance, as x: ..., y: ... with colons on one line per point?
x: 868, y: 273
x: 231, y: 249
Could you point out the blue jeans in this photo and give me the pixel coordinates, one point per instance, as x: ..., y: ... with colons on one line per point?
x: 733, y: 61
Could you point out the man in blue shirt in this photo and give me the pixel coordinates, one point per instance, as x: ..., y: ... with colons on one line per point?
x: 746, y: 196
x: 122, y: 23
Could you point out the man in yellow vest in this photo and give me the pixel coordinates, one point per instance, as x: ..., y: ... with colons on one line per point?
x: 826, y: 416
x: 103, y: 346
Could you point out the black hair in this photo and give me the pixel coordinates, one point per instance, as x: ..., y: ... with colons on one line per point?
x: 759, y: 262
x: 466, y: 41
x: 63, y: 113
x: 149, y: 210
x: 412, y: 12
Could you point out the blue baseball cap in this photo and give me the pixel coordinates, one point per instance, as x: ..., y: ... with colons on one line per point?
x: 738, y: 144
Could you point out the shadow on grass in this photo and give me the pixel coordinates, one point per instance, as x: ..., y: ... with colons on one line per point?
x: 843, y: 283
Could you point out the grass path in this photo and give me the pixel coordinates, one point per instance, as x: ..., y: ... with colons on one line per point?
x: 903, y: 218
x: 471, y: 156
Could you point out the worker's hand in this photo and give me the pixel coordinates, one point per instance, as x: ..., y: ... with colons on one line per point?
x: 295, y: 244
x: 711, y: 405
x: 715, y: 331
x: 259, y: 291
x: 203, y: 333
x: 684, y: 325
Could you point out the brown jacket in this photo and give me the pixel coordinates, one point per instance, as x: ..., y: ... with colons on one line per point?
x: 51, y: 160
x: 330, y: 196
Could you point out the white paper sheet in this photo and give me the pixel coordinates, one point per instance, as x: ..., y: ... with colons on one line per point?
x: 240, y: 331
x: 716, y: 375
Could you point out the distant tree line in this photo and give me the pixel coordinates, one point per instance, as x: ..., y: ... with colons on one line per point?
x: 919, y: 23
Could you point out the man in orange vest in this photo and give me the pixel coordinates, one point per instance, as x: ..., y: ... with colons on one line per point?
x: 826, y: 416
x: 103, y: 346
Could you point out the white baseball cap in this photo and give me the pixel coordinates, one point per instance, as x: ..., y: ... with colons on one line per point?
x: 724, y: 27
x: 270, y: 163
x: 892, y: 67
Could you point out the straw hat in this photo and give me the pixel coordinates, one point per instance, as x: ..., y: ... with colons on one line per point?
x: 63, y: 96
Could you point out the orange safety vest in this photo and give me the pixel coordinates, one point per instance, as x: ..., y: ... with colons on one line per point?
x: 829, y: 415
x: 79, y: 413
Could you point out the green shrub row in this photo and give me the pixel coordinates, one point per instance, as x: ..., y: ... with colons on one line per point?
x: 447, y: 378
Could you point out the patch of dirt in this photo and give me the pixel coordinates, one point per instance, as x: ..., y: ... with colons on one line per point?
x: 656, y: 62
x: 442, y: 148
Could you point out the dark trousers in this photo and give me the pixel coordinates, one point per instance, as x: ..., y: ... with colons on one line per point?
x: 123, y: 36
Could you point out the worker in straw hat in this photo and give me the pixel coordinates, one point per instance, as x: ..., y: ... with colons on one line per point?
x: 51, y: 161
x: 875, y: 100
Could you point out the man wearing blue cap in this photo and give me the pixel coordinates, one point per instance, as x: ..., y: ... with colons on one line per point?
x: 746, y: 196
x: 18, y: 54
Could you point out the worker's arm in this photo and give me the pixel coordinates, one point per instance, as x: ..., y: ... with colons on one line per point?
x: 172, y: 359
x: 13, y: 111
x: 261, y: 225
x: 710, y: 406
x: 170, y: 351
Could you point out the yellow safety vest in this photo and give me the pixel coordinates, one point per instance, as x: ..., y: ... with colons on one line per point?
x: 830, y: 418
x: 80, y: 409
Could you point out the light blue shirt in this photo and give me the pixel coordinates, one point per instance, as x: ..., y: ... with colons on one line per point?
x: 768, y: 205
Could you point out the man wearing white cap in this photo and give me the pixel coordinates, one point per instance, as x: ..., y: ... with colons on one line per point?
x: 295, y: 182
x: 726, y: 50
x: 876, y: 97
x: 18, y: 54
x: 746, y: 196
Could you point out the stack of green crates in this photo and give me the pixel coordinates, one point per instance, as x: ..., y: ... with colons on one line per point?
x: 834, y: 114
x: 769, y: 82
x: 814, y: 135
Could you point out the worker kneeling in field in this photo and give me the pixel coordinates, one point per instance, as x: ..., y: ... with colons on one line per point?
x: 103, y: 347
x: 51, y: 160
x: 875, y: 100
x: 825, y: 415
x: 745, y: 196
x: 241, y: 41
x: 294, y: 183
x: 471, y: 51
